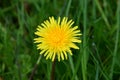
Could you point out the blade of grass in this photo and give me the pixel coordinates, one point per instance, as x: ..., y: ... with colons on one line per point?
x: 35, y: 67
x: 116, y: 40
x: 99, y: 66
x: 102, y: 13
x: 79, y: 13
x: 94, y: 10
x: 80, y: 9
x: 97, y: 72
x: 84, y: 56
x: 63, y: 8
x: 72, y: 67
x: 17, y: 51
x: 68, y: 7
x: 20, y: 12
x: 55, y: 4
x: 77, y: 66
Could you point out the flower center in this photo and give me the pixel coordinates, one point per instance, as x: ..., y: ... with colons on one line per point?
x: 56, y: 37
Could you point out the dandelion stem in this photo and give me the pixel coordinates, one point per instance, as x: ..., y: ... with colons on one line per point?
x: 53, y: 70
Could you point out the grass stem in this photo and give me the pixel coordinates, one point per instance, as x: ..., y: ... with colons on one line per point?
x: 116, y: 40
x: 35, y: 67
x: 84, y: 57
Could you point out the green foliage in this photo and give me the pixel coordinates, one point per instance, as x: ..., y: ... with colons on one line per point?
x: 98, y: 57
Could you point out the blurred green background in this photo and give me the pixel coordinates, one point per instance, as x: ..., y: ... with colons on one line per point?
x: 99, y: 54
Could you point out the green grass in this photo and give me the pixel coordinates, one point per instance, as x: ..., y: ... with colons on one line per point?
x: 97, y: 59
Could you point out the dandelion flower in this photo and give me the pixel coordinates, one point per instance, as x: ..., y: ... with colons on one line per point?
x: 57, y: 37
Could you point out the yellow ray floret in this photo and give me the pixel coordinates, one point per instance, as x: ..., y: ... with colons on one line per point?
x: 57, y: 37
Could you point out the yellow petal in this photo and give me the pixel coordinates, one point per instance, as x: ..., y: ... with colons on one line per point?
x: 53, y: 58
x: 62, y: 56
x: 42, y: 51
x: 65, y: 54
x: 46, y: 53
x: 48, y: 56
x: 76, y: 40
x: 70, y: 52
x: 58, y: 20
x: 58, y: 56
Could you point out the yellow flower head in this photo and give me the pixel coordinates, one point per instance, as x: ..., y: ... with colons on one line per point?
x: 56, y: 37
